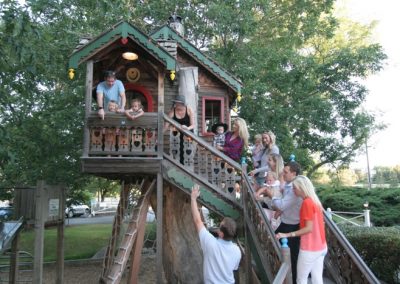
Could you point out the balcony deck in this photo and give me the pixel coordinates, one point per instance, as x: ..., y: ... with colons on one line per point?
x: 117, y: 147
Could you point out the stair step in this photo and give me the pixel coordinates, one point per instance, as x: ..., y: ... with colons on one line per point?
x: 111, y: 277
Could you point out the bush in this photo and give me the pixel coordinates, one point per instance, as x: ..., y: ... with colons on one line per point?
x: 384, y: 203
x: 380, y: 249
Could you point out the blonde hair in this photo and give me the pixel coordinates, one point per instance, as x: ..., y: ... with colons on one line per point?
x: 279, y: 164
x: 243, y: 132
x: 136, y: 101
x: 305, y: 185
x: 272, y: 137
x: 272, y: 174
x: 257, y: 137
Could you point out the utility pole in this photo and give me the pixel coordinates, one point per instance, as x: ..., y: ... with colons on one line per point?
x: 368, y: 170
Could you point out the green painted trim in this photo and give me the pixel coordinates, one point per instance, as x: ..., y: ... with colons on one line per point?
x: 206, y: 195
x: 256, y: 256
x: 167, y: 33
x: 123, y: 29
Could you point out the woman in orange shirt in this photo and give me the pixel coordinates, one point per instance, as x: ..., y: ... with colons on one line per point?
x: 313, y: 246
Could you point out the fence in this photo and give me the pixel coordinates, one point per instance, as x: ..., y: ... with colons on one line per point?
x: 354, y: 220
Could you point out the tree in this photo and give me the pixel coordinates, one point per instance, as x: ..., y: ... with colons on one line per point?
x: 298, y: 63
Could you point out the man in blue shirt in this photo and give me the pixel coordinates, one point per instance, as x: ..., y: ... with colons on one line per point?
x: 110, y: 89
x: 221, y: 257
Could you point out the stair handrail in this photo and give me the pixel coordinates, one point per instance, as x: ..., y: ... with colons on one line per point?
x: 204, y: 143
x: 203, y: 182
x: 279, y: 274
x: 334, y: 267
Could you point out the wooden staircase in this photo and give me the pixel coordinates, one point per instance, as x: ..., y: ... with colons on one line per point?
x: 116, y: 259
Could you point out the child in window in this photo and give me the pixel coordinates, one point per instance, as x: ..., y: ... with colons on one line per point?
x: 136, y: 109
x: 219, y: 138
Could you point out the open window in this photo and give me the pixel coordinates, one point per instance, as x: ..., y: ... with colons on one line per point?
x: 137, y: 92
x: 212, y: 112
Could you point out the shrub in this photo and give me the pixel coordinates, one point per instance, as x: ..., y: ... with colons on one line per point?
x: 380, y: 249
x: 384, y: 203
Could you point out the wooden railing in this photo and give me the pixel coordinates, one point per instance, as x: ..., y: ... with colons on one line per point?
x: 343, y: 262
x: 116, y: 135
x: 201, y: 158
x: 263, y: 236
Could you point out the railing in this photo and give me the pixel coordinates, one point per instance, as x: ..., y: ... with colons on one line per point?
x: 342, y: 262
x: 358, y: 219
x: 263, y: 235
x: 116, y: 135
x: 199, y: 157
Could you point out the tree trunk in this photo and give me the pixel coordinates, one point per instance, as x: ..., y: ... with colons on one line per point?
x: 182, y: 256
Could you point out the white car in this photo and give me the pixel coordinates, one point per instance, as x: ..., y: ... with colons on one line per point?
x: 76, y: 209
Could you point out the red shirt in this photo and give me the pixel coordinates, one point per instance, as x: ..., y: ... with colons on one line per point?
x: 315, y: 240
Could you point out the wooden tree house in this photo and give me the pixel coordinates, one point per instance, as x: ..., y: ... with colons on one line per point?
x: 138, y: 152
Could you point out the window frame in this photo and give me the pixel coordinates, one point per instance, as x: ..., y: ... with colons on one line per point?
x: 203, y: 112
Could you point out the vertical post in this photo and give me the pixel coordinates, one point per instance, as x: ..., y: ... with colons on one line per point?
x: 286, y: 258
x: 88, y: 105
x: 14, y: 259
x: 60, y: 235
x: 329, y: 213
x: 160, y: 120
x: 159, y: 264
x: 40, y: 199
x: 248, y: 262
x: 367, y: 220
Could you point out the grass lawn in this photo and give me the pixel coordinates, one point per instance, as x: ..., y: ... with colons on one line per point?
x: 80, y: 242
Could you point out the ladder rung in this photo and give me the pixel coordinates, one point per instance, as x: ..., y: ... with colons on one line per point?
x: 111, y: 277
x: 118, y: 262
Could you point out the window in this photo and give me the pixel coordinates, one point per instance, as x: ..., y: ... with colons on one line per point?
x: 212, y: 112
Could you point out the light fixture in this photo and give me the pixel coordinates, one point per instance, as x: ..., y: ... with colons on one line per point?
x: 130, y: 55
x: 71, y: 73
x: 172, y: 75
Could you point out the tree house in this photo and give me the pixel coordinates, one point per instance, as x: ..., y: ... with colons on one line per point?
x: 139, y: 153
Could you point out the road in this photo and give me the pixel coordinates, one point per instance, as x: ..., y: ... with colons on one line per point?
x: 101, y: 219
x: 82, y: 220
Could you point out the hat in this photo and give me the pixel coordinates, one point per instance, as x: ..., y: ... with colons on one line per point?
x: 215, y: 126
x: 180, y: 99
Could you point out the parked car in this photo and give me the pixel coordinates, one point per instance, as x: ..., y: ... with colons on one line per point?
x: 75, y: 209
x: 6, y: 213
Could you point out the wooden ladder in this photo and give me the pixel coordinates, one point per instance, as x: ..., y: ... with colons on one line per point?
x: 116, y: 259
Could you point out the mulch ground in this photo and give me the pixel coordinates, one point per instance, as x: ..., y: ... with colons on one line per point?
x: 88, y: 272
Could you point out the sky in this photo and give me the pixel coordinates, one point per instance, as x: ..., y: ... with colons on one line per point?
x: 384, y: 97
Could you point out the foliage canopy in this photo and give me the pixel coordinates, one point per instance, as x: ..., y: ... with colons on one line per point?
x: 300, y: 66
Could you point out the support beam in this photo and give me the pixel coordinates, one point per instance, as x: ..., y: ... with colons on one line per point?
x: 88, y: 105
x: 40, y: 199
x: 159, y: 263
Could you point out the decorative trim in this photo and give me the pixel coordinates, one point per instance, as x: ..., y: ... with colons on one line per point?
x: 121, y: 30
